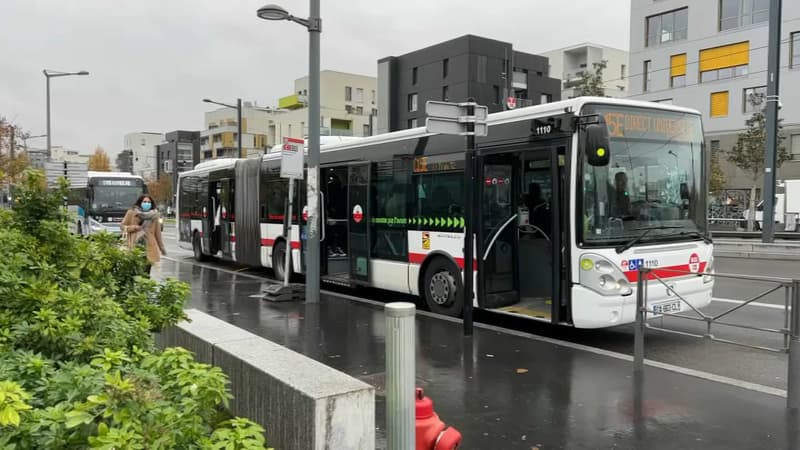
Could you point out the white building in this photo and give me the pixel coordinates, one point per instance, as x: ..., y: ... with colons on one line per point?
x: 711, y: 55
x: 219, y: 138
x: 60, y: 154
x: 349, y: 107
x: 144, y: 148
x: 569, y: 63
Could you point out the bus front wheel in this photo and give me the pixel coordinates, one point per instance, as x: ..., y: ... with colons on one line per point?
x: 443, y: 288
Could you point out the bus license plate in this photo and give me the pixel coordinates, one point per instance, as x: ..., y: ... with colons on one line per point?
x: 667, y: 307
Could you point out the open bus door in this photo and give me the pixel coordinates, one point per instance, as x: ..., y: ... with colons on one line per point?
x: 521, y: 231
x: 358, y: 228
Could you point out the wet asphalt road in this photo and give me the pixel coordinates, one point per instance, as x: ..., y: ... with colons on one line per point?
x: 741, y: 363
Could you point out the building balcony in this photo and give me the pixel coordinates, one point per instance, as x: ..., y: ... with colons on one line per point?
x: 293, y: 101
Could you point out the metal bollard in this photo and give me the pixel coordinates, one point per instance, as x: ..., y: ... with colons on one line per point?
x: 400, y: 376
x: 639, y: 326
x: 793, y: 388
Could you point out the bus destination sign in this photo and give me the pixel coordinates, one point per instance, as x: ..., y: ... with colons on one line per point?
x: 642, y: 124
x: 115, y: 182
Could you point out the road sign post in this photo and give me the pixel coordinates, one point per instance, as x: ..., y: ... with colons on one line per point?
x: 464, y: 119
x: 291, y: 168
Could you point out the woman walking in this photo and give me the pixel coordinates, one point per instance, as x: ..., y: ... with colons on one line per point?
x: 142, y: 227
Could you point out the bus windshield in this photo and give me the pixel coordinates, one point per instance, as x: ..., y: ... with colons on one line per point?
x: 114, y: 197
x: 653, y: 182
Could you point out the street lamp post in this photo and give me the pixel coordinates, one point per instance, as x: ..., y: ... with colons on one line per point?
x: 238, y: 109
x: 53, y: 74
x: 314, y: 26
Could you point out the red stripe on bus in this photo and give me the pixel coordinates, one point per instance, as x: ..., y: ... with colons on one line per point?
x: 680, y: 270
x: 271, y: 242
x: 233, y: 238
x: 418, y: 258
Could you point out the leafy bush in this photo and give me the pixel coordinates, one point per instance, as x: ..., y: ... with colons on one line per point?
x: 78, y: 365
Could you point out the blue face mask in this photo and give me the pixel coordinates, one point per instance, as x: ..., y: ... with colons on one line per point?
x: 146, y: 206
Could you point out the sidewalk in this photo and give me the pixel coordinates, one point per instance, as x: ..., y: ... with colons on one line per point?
x: 505, y: 390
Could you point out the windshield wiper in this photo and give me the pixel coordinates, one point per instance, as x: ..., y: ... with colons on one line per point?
x: 636, y: 240
x: 702, y: 236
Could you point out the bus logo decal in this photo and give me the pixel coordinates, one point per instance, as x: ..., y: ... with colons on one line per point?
x: 358, y: 214
x: 694, y: 263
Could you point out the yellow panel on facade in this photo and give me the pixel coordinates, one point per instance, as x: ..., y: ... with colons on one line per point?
x: 227, y: 139
x: 678, y: 65
x: 244, y: 125
x: 290, y: 102
x: 726, y: 56
x: 719, y: 104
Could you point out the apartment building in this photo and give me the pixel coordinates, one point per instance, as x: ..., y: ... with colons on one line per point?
x: 348, y: 107
x: 711, y: 55
x: 488, y: 70
x: 143, y: 148
x: 571, y: 62
x: 179, y: 152
x: 219, y: 138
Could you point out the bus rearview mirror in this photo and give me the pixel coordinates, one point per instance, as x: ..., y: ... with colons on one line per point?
x: 596, y: 145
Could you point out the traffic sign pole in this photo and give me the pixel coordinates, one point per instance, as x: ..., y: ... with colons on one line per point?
x: 469, y: 204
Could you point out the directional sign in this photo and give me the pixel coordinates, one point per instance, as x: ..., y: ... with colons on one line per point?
x: 455, y: 110
x: 454, y: 118
x: 453, y: 126
x: 75, y: 173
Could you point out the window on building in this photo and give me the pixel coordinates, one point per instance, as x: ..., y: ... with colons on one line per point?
x: 646, y: 75
x: 374, y: 111
x: 739, y: 13
x: 667, y: 27
x: 359, y: 110
x: 753, y: 95
x: 445, y: 93
x: 348, y: 94
x: 359, y: 94
x: 412, y: 123
x: 483, y: 62
x: 349, y: 109
x: 677, y: 71
x: 622, y: 71
x: 414, y: 75
x: 719, y: 104
x: 795, y: 141
x: 794, y: 60
x: 445, y: 67
x: 367, y: 130
x: 412, y: 102
x: 545, y: 98
x: 728, y: 61
x: 496, y: 94
x: 373, y: 96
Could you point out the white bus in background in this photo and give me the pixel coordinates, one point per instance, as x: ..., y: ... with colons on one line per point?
x: 573, y: 197
x: 102, y: 202
x: 787, y: 207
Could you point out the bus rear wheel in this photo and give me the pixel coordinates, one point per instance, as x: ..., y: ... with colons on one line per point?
x: 197, y: 248
x: 279, y: 261
x: 442, y: 288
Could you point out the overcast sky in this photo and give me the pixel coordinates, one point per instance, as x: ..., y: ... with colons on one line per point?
x: 152, y: 61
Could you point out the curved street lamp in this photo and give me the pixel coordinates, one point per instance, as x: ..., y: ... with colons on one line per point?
x: 54, y: 74
x: 314, y: 26
x: 238, y: 109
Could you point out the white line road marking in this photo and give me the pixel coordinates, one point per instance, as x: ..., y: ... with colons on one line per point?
x: 739, y: 302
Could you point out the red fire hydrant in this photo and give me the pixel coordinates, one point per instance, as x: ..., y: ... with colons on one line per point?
x: 431, y: 432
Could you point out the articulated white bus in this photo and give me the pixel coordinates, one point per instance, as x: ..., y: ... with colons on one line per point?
x: 573, y: 197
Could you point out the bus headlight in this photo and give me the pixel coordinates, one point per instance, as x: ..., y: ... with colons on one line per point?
x: 602, y: 276
x: 707, y: 278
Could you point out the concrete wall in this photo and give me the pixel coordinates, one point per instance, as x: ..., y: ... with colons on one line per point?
x: 301, y: 403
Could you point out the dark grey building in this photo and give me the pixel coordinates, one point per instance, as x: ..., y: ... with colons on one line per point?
x: 124, y: 161
x: 487, y: 70
x: 180, y: 152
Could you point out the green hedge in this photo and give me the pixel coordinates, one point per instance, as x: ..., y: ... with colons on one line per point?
x: 78, y: 364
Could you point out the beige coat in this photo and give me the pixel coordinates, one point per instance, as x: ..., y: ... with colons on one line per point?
x: 154, y: 244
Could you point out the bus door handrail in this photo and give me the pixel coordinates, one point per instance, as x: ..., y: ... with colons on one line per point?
x: 321, y: 207
x: 496, y: 235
